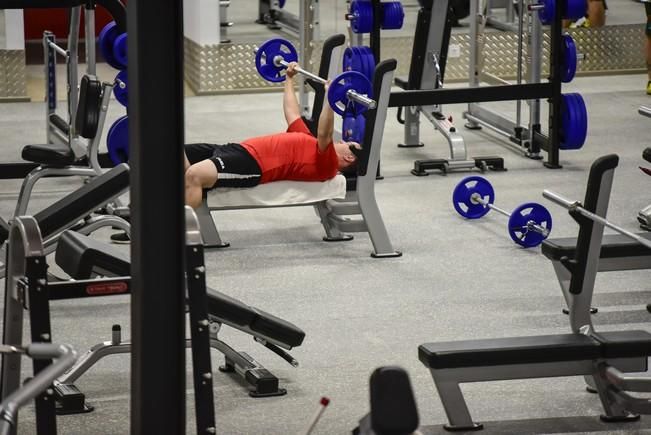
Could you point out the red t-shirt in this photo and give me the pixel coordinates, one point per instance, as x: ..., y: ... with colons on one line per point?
x: 293, y: 155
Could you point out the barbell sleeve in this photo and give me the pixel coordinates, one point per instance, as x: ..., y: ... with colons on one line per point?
x: 362, y: 99
x: 644, y: 111
x: 576, y: 205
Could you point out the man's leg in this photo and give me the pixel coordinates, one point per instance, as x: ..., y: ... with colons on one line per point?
x: 596, y: 13
x: 201, y: 175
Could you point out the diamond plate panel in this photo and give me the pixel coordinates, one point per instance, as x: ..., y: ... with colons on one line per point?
x: 609, y: 50
x: 15, y: 74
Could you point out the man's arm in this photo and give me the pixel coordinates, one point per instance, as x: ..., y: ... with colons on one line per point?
x: 326, y: 125
x: 290, y: 103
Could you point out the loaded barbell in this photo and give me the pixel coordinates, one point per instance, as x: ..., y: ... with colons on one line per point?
x: 348, y: 90
x: 574, y: 9
x: 529, y: 224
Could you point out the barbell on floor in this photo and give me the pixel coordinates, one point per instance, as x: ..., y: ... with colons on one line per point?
x: 529, y: 224
x: 348, y: 89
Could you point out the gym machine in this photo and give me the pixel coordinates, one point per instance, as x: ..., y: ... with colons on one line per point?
x: 305, y: 27
x: 602, y: 357
x: 644, y: 216
x: 427, y: 72
x: 57, y: 359
x: 520, y: 137
x: 567, y: 114
x: 27, y: 288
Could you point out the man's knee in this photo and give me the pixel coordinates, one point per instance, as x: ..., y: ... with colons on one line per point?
x: 193, y: 177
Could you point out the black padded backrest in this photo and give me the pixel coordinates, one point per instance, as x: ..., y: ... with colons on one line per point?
x: 319, y: 92
x: 419, y: 47
x: 88, y: 110
x: 363, y: 155
x: 393, y: 406
x: 594, y: 200
x: 83, y: 201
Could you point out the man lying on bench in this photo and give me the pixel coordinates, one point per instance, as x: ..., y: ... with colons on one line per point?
x: 294, y: 155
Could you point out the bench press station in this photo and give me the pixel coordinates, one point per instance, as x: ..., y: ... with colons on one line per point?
x: 600, y: 356
x: 333, y: 200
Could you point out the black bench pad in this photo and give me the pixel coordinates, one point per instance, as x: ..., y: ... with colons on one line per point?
x: 624, y: 344
x: 505, y: 351
x: 50, y: 154
x: 81, y: 257
x: 613, y: 246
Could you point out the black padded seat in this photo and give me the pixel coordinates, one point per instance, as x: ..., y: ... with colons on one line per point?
x: 401, y: 82
x: 81, y: 257
x: 507, y: 351
x: 613, y: 246
x: 50, y: 154
x: 60, y: 123
x: 624, y: 344
x: 277, y: 328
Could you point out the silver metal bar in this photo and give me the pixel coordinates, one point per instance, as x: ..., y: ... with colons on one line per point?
x: 89, y: 21
x: 518, y: 103
x: 644, y: 111
x: 362, y: 99
x: 476, y: 197
x: 58, y: 49
x: 576, y: 205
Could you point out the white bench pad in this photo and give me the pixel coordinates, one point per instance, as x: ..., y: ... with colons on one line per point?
x: 278, y: 194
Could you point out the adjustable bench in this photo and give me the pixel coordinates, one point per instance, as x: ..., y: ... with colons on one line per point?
x: 79, y: 204
x: 82, y: 257
x: 333, y: 200
x: 585, y: 352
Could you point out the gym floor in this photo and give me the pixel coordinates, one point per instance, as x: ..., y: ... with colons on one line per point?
x: 456, y: 280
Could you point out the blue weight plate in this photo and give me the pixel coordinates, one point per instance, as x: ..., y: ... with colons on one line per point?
x: 574, y: 125
x: 575, y: 9
x: 521, y: 221
x: 360, y: 127
x: 569, y: 59
x: 582, y: 119
x: 348, y: 126
x: 266, y: 54
x: 362, y: 12
x: 105, y: 42
x: 281, y: 4
x: 368, y: 67
x: 347, y: 63
x: 392, y: 15
x: 357, y: 60
x: 546, y: 14
x: 121, y: 94
x: 462, y: 197
x: 117, y: 141
x: 338, y: 92
x: 120, y: 50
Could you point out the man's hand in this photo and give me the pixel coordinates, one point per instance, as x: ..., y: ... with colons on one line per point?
x: 291, y: 70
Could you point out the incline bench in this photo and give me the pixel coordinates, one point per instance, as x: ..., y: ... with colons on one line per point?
x: 334, y: 199
x: 601, y: 355
x: 77, y: 205
x: 82, y: 257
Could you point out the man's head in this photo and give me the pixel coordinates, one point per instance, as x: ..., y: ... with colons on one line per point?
x: 347, y: 159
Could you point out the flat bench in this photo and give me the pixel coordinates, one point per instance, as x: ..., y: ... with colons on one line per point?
x: 82, y: 257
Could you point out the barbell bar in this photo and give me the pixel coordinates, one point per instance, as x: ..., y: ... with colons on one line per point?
x: 576, y: 205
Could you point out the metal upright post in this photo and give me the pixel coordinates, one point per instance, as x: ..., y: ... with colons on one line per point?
x: 89, y: 22
x: 306, y: 37
x: 72, y: 64
x: 534, y: 54
x: 157, y: 308
x: 555, y: 65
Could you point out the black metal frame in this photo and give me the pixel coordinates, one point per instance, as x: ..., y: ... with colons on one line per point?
x: 156, y: 107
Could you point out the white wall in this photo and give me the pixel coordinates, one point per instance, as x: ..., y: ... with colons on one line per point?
x: 201, y: 21
x: 12, y: 30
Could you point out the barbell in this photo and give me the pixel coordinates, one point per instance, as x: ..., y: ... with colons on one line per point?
x: 529, y: 224
x: 576, y: 206
x: 349, y: 91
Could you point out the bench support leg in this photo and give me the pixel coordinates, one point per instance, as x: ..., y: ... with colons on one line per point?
x: 615, y: 411
x: 209, y: 233
x: 454, y: 405
x: 377, y: 231
x: 332, y: 233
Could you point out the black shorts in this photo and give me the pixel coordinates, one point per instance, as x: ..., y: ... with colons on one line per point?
x: 235, y: 166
